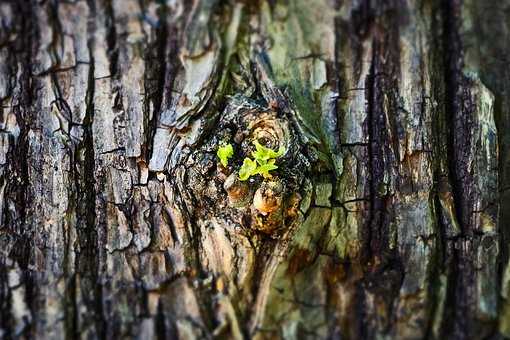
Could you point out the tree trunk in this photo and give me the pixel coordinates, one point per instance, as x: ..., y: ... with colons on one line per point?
x: 386, y: 216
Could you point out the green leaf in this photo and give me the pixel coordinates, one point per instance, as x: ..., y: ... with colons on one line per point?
x: 263, y: 163
x: 264, y: 169
x: 263, y: 154
x: 247, y: 169
x: 224, y: 153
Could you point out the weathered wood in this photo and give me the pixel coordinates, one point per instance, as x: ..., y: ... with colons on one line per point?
x: 386, y: 217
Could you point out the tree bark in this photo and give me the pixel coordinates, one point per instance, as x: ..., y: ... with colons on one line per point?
x: 386, y: 218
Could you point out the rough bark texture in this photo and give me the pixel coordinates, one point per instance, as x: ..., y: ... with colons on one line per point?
x: 388, y: 213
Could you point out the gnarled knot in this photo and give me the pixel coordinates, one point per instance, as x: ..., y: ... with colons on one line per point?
x: 271, y: 131
x: 267, y: 196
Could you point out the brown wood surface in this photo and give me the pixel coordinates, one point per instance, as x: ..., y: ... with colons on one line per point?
x: 387, y: 217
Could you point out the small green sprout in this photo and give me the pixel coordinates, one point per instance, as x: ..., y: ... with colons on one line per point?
x: 263, y: 154
x: 248, y: 169
x: 263, y: 169
x: 224, y: 153
x: 263, y: 163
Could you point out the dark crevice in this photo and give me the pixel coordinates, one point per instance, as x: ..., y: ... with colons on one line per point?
x: 367, y: 230
x: 162, y: 72
x: 451, y: 57
x: 440, y: 181
x: 459, y: 108
x: 374, y: 239
x: 111, y: 39
x: 87, y: 258
x: 18, y: 189
x: 458, y: 113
